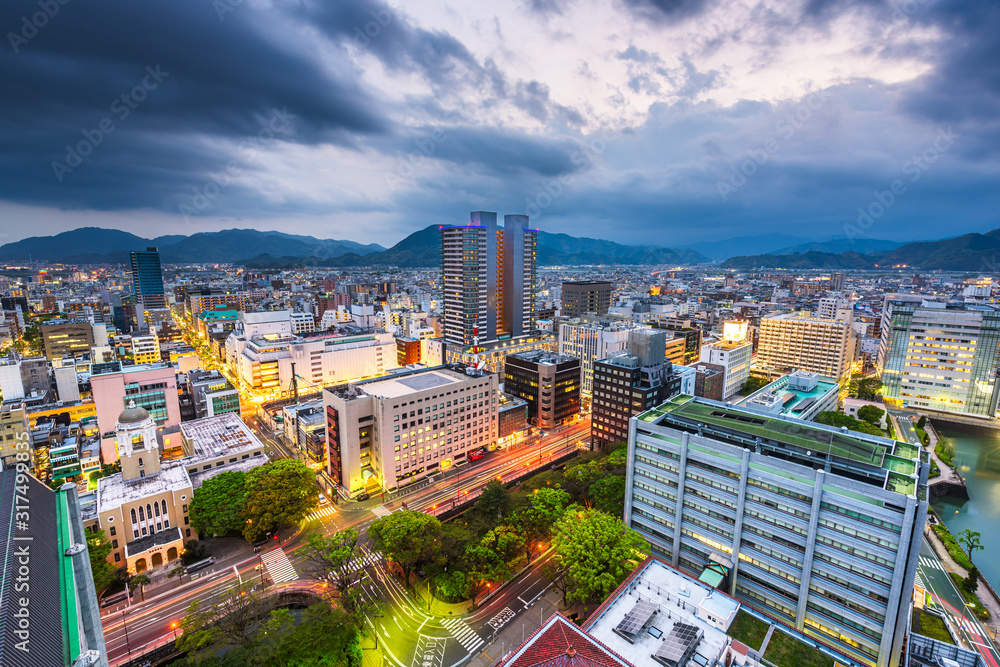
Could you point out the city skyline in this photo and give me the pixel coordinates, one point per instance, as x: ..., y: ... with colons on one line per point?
x: 367, y: 120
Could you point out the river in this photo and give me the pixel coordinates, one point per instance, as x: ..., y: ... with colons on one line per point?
x: 978, y: 461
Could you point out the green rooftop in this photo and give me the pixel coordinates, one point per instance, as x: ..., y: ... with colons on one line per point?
x: 899, y: 458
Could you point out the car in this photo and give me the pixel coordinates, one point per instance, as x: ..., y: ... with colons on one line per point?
x: 476, y: 455
x: 363, y: 496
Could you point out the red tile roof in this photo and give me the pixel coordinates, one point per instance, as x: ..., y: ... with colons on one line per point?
x: 560, y: 643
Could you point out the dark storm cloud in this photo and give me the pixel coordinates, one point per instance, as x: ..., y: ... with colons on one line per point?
x: 667, y: 10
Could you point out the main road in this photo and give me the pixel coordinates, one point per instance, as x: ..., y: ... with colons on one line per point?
x: 411, y: 632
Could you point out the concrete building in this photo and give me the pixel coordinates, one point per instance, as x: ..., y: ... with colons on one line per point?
x: 591, y: 340
x: 63, y: 338
x: 942, y: 356
x: 152, y: 387
x: 801, y: 394
x: 15, y: 437
x: 67, y: 380
x: 801, y: 341
x: 709, y: 381
x: 50, y: 611
x: 11, y: 385
x: 585, y: 296
x: 302, y: 323
x: 734, y: 357
x: 146, y: 350
x: 493, y: 354
x: 489, y: 278
x: 548, y: 382
x: 211, y: 394
x: 390, y: 432
x: 815, y: 527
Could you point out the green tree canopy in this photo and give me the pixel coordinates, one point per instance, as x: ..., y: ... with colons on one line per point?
x: 408, y: 538
x: 839, y: 420
x: 580, y: 477
x: 218, y: 505
x: 494, y: 557
x: 494, y: 503
x: 545, y: 506
x: 279, y: 493
x: 336, y: 562
x: 99, y: 549
x: 871, y: 414
x: 608, y: 494
x: 596, y: 552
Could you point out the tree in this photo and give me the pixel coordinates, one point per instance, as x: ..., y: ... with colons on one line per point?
x: 596, y: 551
x: 922, y: 421
x: 336, y: 562
x: 754, y: 383
x: 871, y: 414
x: 232, y: 622
x: 494, y: 503
x: 494, y: 557
x: 608, y: 495
x: 579, y: 478
x: 218, y: 505
x: 407, y: 538
x: 99, y: 549
x: 971, y: 540
x: 545, y: 507
x: 139, y: 581
x: 840, y: 420
x: 279, y: 493
x: 194, y: 551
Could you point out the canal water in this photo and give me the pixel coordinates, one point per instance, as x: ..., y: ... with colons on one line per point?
x: 978, y: 461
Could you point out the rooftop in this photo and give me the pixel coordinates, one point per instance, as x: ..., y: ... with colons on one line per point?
x: 112, y: 492
x: 543, y: 357
x: 892, y: 465
x: 243, y: 465
x: 794, y: 401
x: 216, y: 436
x: 408, y: 383
x: 661, y: 611
x: 560, y: 643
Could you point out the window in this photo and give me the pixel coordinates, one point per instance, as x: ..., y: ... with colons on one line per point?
x: 140, y: 461
x: 112, y: 531
x: 163, y: 503
x: 118, y: 557
x: 133, y: 515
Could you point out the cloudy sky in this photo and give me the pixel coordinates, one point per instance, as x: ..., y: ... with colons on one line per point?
x: 645, y: 121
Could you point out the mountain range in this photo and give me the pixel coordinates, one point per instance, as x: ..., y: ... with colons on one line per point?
x: 969, y: 252
x: 423, y: 248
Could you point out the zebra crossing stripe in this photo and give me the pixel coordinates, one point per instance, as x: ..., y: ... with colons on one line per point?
x: 279, y: 567
x: 465, y: 635
x: 381, y: 511
x: 930, y: 562
x: 326, y: 511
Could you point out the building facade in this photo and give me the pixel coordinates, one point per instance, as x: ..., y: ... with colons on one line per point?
x: 800, y: 341
x: 147, y: 281
x: 590, y: 341
x: 66, y: 338
x: 549, y: 383
x: 390, y: 432
x: 585, y: 296
x: 941, y: 356
x: 817, y: 528
x: 734, y: 356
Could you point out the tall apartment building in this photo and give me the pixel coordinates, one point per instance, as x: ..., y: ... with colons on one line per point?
x: 815, y: 527
x: 14, y: 435
x: 147, y: 283
x: 146, y: 349
x: 549, y: 383
x: 941, y: 356
x: 590, y: 341
x: 800, y: 341
x: 629, y: 382
x: 489, y: 277
x: 585, y: 296
x: 66, y: 337
x: 391, y: 432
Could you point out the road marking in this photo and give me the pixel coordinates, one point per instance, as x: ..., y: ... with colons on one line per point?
x: 381, y: 511
x: 429, y: 652
x: 505, y: 615
x: 927, y: 561
x: 397, y: 622
x: 464, y: 633
x: 522, y: 600
x: 319, y: 514
x: 422, y: 625
x: 279, y: 567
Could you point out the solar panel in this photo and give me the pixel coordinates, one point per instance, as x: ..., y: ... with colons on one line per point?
x: 637, y: 617
x: 678, y: 644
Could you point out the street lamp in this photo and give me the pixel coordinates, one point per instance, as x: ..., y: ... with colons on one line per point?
x: 173, y: 626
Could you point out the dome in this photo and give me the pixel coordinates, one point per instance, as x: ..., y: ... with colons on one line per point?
x: 133, y: 415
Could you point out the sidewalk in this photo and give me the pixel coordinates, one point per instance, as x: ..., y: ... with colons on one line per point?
x: 512, y: 635
x: 985, y: 595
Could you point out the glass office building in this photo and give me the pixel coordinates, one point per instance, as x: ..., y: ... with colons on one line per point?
x: 147, y: 279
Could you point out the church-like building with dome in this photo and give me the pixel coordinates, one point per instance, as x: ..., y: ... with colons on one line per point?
x: 144, y: 509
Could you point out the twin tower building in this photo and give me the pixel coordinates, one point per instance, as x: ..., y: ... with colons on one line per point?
x: 489, y: 274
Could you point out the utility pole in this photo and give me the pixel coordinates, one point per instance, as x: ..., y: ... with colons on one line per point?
x: 125, y: 628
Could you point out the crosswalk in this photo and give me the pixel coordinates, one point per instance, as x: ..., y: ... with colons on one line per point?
x: 932, y: 563
x: 369, y: 559
x: 278, y: 566
x: 465, y: 635
x: 381, y: 511
x: 319, y: 514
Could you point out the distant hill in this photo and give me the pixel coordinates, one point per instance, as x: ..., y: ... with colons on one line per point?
x: 423, y: 248
x: 746, y: 245
x: 969, y: 252
x: 839, y: 245
x: 94, y: 245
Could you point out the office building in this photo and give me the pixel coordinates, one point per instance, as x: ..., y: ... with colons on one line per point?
x: 15, y: 437
x: 690, y: 334
x: 800, y: 341
x: 152, y: 387
x: 390, y: 432
x: 211, y: 394
x: 147, y: 284
x: 146, y: 349
x: 67, y: 381
x: 143, y: 510
x: 943, y: 356
x: 49, y: 609
x: 489, y: 278
x: 585, y: 296
x: 591, y: 340
x: 548, y: 382
x: 816, y: 527
x: 802, y: 394
x: 305, y: 428
x: 35, y: 376
x: 198, y: 298
x: 62, y: 338
x: 302, y: 323
x: 629, y: 382
x: 733, y: 353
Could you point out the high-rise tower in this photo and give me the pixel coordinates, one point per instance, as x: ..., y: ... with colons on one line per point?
x: 489, y: 275
x: 147, y: 283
